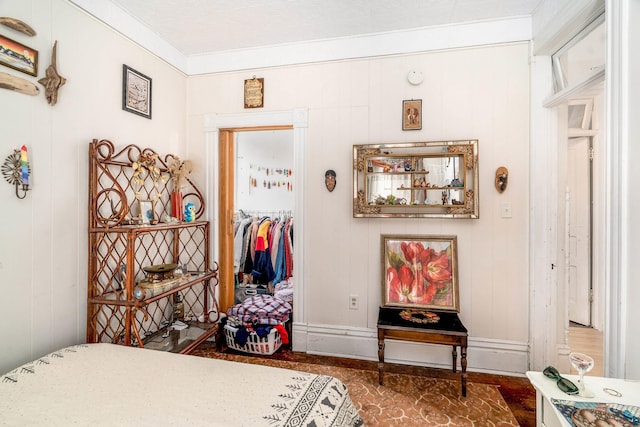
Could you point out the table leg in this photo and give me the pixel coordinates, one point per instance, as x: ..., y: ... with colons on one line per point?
x: 455, y: 359
x: 380, y: 355
x: 463, y: 364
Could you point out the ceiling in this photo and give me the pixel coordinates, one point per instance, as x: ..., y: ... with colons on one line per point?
x: 209, y: 36
x: 196, y: 27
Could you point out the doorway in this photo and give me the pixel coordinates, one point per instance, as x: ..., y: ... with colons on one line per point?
x: 234, y: 195
x: 219, y: 132
x: 579, y: 202
x: 584, y: 227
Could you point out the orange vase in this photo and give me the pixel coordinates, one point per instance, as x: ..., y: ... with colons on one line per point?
x: 176, y: 205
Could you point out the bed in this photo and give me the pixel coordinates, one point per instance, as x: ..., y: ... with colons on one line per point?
x: 108, y: 384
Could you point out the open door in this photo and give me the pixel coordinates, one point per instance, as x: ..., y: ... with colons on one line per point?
x: 579, y: 229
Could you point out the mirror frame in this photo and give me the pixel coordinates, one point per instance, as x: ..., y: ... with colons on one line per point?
x: 467, y: 149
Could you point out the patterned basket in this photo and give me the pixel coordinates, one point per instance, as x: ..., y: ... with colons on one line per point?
x: 255, y: 344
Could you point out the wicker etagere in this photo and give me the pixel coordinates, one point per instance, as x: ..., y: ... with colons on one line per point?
x: 119, y: 309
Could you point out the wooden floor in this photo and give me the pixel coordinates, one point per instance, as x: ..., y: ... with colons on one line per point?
x: 588, y: 341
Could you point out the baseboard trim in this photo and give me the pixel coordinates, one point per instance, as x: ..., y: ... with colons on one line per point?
x: 485, y: 355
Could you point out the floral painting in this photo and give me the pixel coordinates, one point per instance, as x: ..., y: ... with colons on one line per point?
x: 420, y: 272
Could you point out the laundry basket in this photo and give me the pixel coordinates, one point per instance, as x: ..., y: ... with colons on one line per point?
x: 255, y: 344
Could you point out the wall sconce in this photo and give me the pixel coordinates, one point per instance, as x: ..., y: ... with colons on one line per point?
x: 16, y: 171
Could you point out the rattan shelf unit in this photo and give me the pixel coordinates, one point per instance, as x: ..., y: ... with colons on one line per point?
x: 119, y: 310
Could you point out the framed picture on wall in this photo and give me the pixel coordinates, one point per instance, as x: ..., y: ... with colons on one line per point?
x: 136, y: 92
x: 420, y: 272
x: 18, y: 56
x: 412, y: 114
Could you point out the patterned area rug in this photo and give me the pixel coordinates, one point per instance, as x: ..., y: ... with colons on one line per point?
x: 404, y: 400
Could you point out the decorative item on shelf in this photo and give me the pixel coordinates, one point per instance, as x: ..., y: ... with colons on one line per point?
x: 179, y: 171
x: 502, y: 179
x: 53, y: 81
x: 178, y: 307
x: 16, y: 171
x: 147, y: 211
x: 159, y: 272
x: 330, y: 179
x: 189, y: 212
x: 145, y: 166
x: 120, y: 277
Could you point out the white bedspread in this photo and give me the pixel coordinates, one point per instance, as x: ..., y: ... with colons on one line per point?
x: 106, y: 384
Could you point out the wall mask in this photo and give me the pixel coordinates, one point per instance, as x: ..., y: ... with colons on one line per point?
x: 330, y: 179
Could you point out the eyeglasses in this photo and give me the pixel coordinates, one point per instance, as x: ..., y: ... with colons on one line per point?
x: 563, y: 384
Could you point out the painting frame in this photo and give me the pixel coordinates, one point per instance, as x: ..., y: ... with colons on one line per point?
x: 434, y: 257
x: 412, y: 114
x: 18, y: 56
x: 147, y: 209
x: 136, y: 92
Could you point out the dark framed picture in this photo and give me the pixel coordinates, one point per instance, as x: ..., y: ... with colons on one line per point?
x: 412, y: 114
x: 136, y: 92
x: 18, y: 56
x: 420, y: 272
x: 147, y: 211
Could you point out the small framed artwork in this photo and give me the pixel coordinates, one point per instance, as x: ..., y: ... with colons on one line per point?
x: 136, y: 92
x: 254, y: 93
x: 412, y: 114
x: 420, y: 272
x: 147, y: 211
x: 18, y: 56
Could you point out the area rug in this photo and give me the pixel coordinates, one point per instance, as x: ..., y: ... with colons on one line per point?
x: 404, y: 400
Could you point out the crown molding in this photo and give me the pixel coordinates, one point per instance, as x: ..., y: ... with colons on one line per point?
x: 455, y: 36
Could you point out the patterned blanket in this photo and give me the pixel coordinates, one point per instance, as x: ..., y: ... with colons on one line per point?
x: 106, y: 384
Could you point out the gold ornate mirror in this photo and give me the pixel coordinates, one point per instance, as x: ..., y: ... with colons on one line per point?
x: 436, y: 179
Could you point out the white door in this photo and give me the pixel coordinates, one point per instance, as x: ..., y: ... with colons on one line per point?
x: 579, y: 229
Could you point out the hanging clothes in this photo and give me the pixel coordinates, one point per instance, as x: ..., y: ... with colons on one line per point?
x: 262, y: 269
x: 263, y: 249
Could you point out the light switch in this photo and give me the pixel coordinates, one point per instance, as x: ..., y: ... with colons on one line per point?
x: 505, y: 210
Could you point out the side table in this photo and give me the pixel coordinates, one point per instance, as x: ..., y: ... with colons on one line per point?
x: 448, y: 330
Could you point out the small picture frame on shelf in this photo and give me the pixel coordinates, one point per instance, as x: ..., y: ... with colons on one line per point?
x: 412, y: 114
x: 147, y: 211
x: 420, y: 272
x: 136, y: 92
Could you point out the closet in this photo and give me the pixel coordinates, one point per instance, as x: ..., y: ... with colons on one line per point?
x: 263, y: 214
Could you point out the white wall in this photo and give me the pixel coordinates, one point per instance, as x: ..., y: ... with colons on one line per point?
x: 478, y: 93
x: 264, y: 170
x: 43, y: 238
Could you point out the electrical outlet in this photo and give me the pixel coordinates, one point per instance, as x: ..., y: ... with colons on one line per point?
x: 354, y: 302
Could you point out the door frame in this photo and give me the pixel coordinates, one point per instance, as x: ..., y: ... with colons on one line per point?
x: 226, y: 207
x: 217, y: 126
